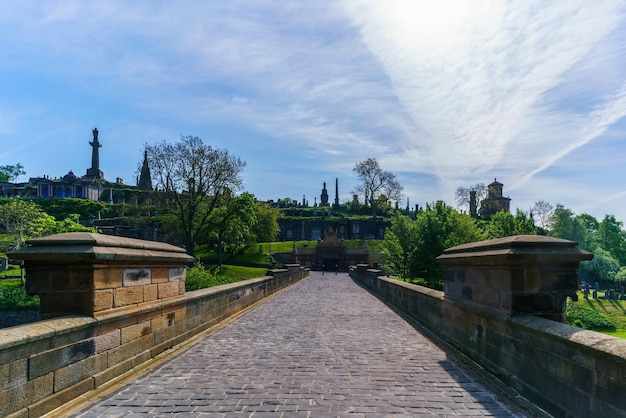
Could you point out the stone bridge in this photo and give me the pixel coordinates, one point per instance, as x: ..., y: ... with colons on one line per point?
x: 122, y: 338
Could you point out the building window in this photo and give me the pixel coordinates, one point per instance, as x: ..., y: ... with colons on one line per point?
x: 60, y: 192
x: 68, y: 192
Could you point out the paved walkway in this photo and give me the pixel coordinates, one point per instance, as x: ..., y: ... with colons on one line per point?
x: 323, y: 348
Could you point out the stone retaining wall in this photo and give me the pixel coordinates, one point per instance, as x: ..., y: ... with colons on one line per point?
x: 564, y: 370
x: 48, y: 363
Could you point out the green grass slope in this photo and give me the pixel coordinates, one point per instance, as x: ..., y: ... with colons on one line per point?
x: 601, y: 315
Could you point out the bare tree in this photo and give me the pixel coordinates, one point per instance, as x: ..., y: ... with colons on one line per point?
x: 374, y: 182
x: 542, y: 211
x: 462, y: 194
x: 196, y: 177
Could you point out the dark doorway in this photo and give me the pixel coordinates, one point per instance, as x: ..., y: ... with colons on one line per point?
x: 330, y: 262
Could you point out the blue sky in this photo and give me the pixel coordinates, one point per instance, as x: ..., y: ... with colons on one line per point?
x: 444, y: 94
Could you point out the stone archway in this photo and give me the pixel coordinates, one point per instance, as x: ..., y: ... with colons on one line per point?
x: 330, y: 262
x: 331, y: 253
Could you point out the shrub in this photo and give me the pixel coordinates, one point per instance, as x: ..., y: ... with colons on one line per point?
x: 587, y: 317
x: 199, y: 277
x: 15, y: 298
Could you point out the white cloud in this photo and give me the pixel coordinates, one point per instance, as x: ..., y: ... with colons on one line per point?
x: 443, y: 93
x: 474, y: 78
x: 591, y: 127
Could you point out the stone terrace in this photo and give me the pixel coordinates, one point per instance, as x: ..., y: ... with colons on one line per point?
x: 323, y: 348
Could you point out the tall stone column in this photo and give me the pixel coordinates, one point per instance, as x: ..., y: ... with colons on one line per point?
x: 94, y: 171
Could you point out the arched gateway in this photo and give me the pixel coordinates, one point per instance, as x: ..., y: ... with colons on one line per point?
x: 330, y: 254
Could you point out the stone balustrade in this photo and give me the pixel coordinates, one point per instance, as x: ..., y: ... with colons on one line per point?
x: 112, y: 305
x: 503, y: 308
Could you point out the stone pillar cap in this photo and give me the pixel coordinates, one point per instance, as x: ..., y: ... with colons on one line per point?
x: 87, y: 246
x: 517, y: 246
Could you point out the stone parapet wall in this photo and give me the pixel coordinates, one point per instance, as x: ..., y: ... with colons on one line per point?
x: 512, y: 275
x: 51, y: 362
x: 95, y: 274
x: 563, y: 370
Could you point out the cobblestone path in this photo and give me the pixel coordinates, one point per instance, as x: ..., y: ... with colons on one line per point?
x: 323, y: 348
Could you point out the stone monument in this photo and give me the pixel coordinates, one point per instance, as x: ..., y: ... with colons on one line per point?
x: 324, y: 196
x: 94, y: 171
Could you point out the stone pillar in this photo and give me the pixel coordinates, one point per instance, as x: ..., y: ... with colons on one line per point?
x: 96, y: 274
x: 473, y: 204
x: 94, y: 171
x: 523, y: 274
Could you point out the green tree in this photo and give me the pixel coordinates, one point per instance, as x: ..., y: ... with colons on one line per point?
x: 602, y: 268
x: 196, y: 177
x: 231, y: 226
x: 590, y: 233
x: 524, y: 224
x: 11, y: 172
x: 501, y: 224
x: 267, y: 227
x: 561, y: 222
x: 69, y: 224
x: 565, y: 225
x: 24, y: 219
x: 612, y: 237
x: 399, y: 245
x: 373, y: 182
x: 440, y: 227
x: 590, y: 222
x: 504, y: 224
x: 620, y: 276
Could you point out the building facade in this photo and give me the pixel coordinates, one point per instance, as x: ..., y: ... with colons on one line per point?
x: 92, y: 185
x: 495, y: 201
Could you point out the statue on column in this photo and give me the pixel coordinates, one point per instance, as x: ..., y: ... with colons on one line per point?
x: 94, y: 171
